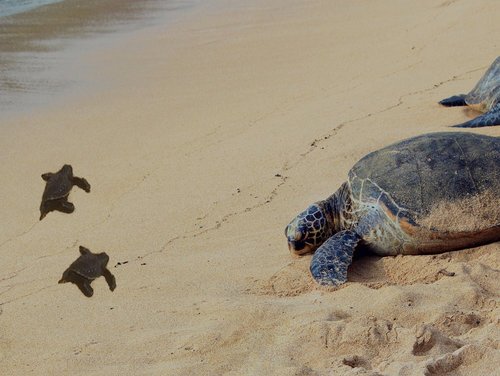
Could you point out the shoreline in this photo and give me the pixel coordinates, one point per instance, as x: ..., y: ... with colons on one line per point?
x: 42, y: 49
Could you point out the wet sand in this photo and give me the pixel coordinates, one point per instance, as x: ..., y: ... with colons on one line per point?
x: 201, y: 140
x: 41, y: 50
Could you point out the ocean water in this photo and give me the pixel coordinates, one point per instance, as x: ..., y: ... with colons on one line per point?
x: 44, y: 49
x: 10, y: 7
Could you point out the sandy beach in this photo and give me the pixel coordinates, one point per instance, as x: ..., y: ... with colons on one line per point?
x: 202, y: 138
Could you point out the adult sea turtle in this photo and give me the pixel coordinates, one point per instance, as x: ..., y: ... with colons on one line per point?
x: 433, y: 193
x: 485, y: 97
x: 86, y: 268
x: 57, y: 188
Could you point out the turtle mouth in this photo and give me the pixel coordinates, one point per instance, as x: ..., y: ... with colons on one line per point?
x: 299, y: 247
x: 296, y: 242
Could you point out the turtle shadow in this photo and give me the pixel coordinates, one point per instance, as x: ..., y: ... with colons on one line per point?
x: 376, y: 271
x: 470, y: 113
x: 368, y: 269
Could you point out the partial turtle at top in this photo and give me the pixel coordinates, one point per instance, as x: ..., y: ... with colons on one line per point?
x: 59, y: 184
x: 485, y: 97
x: 86, y: 268
x: 429, y: 194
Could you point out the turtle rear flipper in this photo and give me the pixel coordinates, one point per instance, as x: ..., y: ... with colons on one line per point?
x: 79, y: 280
x: 81, y: 183
x: 61, y: 205
x: 85, y: 288
x: 65, y: 206
x: 45, y: 208
x: 455, y: 100
x: 331, y: 260
x: 490, y: 118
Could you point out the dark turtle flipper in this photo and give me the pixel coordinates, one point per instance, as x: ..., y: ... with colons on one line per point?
x: 85, y: 288
x: 61, y: 205
x: 456, y: 100
x: 81, y: 183
x: 110, y: 279
x: 65, y: 206
x: 487, y: 119
x: 330, y: 261
x: 82, y: 282
x: 47, y: 176
x: 45, y: 208
x: 84, y: 251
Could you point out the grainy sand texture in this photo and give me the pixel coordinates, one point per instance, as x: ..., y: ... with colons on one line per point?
x: 202, y: 138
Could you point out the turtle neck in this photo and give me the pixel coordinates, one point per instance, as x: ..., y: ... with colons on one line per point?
x: 336, y: 208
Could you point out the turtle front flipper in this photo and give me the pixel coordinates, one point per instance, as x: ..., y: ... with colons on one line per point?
x: 81, y: 183
x: 331, y: 260
x: 487, y: 119
x: 110, y: 279
x: 47, y: 176
x: 455, y: 100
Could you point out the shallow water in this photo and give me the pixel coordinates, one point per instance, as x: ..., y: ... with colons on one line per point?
x: 42, y: 48
x: 10, y: 7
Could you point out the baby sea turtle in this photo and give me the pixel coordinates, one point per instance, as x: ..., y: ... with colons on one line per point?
x: 485, y: 97
x: 86, y: 268
x: 59, y: 184
x: 428, y: 194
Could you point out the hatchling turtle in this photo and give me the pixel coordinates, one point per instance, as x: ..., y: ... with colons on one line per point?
x: 86, y: 268
x: 485, y: 97
x: 429, y: 194
x: 57, y: 188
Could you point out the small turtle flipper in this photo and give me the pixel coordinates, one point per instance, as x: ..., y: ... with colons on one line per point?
x: 110, y: 279
x: 84, y: 251
x: 81, y: 183
x: 487, y: 119
x: 45, y: 208
x: 85, y: 288
x: 61, y: 205
x: 455, y: 100
x: 81, y: 282
x: 47, y: 176
x: 65, y: 206
x: 331, y: 260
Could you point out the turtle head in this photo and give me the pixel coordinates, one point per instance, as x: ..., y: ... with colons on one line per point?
x: 66, y: 277
x: 67, y: 169
x: 306, y: 232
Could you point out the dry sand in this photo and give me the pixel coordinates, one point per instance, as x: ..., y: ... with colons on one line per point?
x: 201, y: 141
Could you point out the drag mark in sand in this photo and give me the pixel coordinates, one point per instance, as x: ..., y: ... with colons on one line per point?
x: 20, y: 235
x: 218, y: 223
x: 15, y: 273
x: 318, y: 141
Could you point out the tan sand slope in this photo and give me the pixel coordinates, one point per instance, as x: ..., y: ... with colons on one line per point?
x: 202, y: 141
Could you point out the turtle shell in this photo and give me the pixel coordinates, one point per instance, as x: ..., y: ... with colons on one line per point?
x: 486, y: 93
x: 413, y: 176
x: 59, y: 185
x: 89, y: 265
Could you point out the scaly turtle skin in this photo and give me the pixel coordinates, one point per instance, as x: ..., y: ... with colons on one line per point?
x: 390, y: 193
x: 86, y: 268
x: 59, y: 184
x: 485, y: 97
